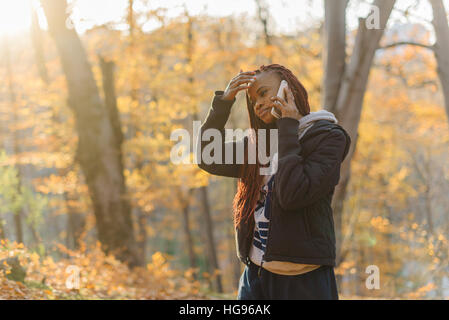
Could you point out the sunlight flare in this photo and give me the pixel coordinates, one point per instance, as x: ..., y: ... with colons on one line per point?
x: 15, y: 17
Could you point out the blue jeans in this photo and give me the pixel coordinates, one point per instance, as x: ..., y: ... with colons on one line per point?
x: 319, y: 284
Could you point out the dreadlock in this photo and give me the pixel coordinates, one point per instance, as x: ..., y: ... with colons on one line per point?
x: 249, y: 184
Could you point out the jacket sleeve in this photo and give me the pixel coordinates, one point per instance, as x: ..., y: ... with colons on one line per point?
x: 216, y: 119
x: 300, y: 182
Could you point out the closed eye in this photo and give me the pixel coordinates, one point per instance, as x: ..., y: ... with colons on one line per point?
x: 262, y: 93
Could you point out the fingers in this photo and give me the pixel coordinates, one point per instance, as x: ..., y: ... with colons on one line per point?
x: 288, y: 94
x: 243, y: 78
x: 239, y: 88
x: 239, y: 81
x: 243, y: 74
x: 246, y: 79
x: 247, y: 73
x: 279, y: 102
x: 284, y: 103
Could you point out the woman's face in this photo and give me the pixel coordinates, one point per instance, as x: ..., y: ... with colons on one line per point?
x: 265, y: 87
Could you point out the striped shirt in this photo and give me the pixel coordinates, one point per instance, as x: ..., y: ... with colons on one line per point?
x: 261, y: 217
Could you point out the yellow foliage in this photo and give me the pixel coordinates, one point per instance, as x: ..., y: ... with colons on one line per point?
x: 380, y: 223
x: 100, y: 277
x: 421, y: 292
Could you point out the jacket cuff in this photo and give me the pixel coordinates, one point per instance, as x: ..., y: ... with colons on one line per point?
x: 221, y: 106
x: 288, y: 136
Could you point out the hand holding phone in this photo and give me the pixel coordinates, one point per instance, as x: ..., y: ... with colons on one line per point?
x: 277, y: 114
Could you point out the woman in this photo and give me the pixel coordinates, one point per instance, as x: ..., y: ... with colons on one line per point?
x: 284, y: 225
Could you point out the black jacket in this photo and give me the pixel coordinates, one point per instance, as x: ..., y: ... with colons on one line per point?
x: 301, y: 227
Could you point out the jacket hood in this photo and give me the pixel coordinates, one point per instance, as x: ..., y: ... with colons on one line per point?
x: 306, y: 122
x: 313, y: 124
x: 323, y: 122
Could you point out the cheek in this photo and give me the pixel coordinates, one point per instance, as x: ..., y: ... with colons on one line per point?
x: 268, y: 118
x: 265, y: 101
x: 271, y: 118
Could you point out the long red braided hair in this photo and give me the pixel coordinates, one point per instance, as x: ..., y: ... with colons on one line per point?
x: 248, y: 189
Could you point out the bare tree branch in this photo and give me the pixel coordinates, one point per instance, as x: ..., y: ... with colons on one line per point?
x: 440, y: 24
x: 401, y: 75
x: 406, y: 43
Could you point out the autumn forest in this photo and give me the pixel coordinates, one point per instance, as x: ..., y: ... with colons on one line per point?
x: 91, y: 205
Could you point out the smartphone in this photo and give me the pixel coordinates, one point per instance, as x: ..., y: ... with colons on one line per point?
x: 277, y: 114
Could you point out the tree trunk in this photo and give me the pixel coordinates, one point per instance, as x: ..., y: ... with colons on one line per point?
x: 18, y: 225
x: 99, y: 148
x: 142, y: 236
x: 188, y: 236
x: 335, y: 54
x: 107, y: 73
x: 428, y: 195
x: 133, y: 79
x: 76, y: 223
x: 36, y: 38
x: 212, y: 253
x: 2, y: 230
x: 263, y: 15
x: 231, y: 185
x: 136, y: 160
x: 185, y: 204
x: 425, y: 174
x: 18, y: 213
x: 211, y: 250
x: 348, y: 103
x: 37, y: 238
x: 441, y: 50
